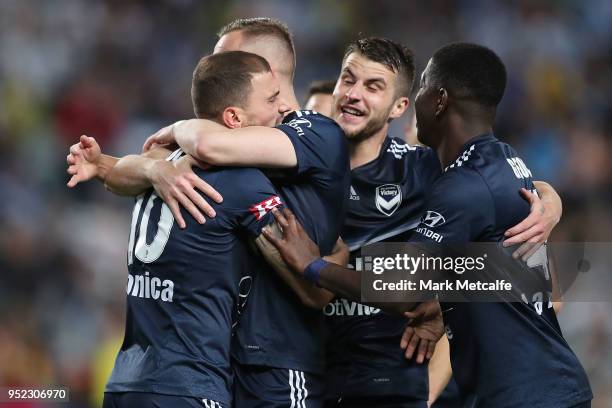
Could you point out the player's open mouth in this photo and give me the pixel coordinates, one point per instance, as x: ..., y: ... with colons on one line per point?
x: 352, y: 111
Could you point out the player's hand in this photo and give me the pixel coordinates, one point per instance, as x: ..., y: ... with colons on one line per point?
x: 423, y: 331
x: 162, y: 137
x: 83, y: 160
x: 295, y: 246
x: 534, y: 230
x: 177, y: 184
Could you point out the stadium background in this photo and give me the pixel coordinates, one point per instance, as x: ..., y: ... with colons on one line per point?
x: 119, y: 70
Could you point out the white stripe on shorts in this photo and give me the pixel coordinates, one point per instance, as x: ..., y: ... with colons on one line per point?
x: 298, y: 393
x: 211, y: 404
x: 292, y: 391
x: 305, y: 389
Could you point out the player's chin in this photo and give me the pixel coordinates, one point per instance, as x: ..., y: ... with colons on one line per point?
x: 353, y: 132
x: 350, y: 127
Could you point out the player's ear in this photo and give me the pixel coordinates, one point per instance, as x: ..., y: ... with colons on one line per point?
x: 233, y: 117
x: 441, y: 102
x: 399, y: 107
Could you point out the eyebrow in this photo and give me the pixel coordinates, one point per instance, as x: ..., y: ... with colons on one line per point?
x: 347, y: 70
x: 274, y: 94
x: 380, y: 80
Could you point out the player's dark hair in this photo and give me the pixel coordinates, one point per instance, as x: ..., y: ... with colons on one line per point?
x: 395, y: 56
x: 470, y: 71
x: 263, y: 26
x: 223, y: 80
x: 321, y: 87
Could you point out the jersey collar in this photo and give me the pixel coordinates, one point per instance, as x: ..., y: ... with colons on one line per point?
x: 469, y: 147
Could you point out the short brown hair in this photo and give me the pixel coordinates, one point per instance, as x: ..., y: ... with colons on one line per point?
x: 395, y: 56
x: 222, y: 80
x: 321, y: 87
x: 263, y: 26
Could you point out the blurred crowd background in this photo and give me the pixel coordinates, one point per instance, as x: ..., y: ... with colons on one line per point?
x: 119, y: 70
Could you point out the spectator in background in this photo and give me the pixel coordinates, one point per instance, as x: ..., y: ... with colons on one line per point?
x: 320, y: 97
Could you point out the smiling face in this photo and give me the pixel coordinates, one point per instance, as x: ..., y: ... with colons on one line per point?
x: 365, y: 98
x: 263, y: 106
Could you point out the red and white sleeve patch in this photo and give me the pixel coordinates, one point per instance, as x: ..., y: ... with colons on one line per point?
x: 261, y: 209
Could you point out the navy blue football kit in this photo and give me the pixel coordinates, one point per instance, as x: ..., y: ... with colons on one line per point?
x: 182, y: 290
x: 276, y: 332
x: 503, y: 354
x: 386, y: 200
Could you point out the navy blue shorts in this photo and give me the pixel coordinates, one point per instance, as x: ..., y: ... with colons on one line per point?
x: 267, y: 387
x: 148, y: 400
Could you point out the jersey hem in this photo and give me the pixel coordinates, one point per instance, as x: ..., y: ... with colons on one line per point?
x: 278, y: 362
x: 164, y: 389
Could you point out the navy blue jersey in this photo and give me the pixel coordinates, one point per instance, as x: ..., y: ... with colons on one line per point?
x: 387, y: 198
x: 276, y: 329
x: 183, y: 286
x: 387, y: 195
x: 502, y: 354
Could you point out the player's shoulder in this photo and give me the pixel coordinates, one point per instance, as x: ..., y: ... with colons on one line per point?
x: 235, y: 182
x: 398, y: 149
x: 491, y: 159
x: 235, y: 174
x: 464, y: 185
x: 409, y: 158
x: 309, y: 120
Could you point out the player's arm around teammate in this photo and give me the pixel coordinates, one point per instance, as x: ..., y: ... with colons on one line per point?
x: 309, y: 295
x: 174, y: 181
x: 303, y: 256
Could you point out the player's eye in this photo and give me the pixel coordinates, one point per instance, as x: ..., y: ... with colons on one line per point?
x: 375, y: 87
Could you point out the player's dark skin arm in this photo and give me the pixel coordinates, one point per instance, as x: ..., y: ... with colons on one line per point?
x: 309, y: 294
x: 299, y: 251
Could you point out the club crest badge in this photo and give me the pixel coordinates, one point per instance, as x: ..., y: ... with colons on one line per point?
x: 388, y: 198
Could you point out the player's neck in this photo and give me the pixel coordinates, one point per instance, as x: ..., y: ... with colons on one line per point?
x: 293, y: 102
x: 289, y: 95
x: 459, y: 131
x: 363, y: 151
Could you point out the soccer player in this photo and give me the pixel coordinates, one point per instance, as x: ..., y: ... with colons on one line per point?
x: 319, y: 97
x: 183, y: 284
x: 389, y: 178
x: 279, y: 341
x: 389, y: 183
x: 503, y: 354
x: 252, y: 34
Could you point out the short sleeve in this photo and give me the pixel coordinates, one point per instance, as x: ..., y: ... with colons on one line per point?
x: 459, y: 209
x: 248, y: 198
x: 319, y: 142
